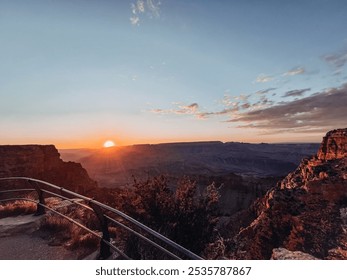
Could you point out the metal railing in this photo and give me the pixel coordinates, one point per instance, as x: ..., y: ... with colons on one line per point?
x: 167, y: 246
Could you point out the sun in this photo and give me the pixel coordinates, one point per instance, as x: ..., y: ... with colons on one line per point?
x: 109, y: 144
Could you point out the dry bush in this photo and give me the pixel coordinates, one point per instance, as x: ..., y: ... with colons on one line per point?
x: 81, y: 239
x: 64, y: 232
x: 183, y: 215
x: 18, y: 207
x: 57, y: 227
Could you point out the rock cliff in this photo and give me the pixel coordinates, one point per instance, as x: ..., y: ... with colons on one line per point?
x: 305, y: 212
x: 43, y: 162
x: 334, y: 145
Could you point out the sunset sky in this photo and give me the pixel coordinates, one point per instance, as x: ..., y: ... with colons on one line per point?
x: 76, y: 73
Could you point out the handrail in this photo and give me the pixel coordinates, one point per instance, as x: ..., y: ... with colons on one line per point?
x: 99, y: 209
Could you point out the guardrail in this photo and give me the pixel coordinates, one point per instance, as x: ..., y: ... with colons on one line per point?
x: 171, y: 249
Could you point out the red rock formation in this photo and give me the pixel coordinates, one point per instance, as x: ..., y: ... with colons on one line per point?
x: 43, y: 162
x: 306, y: 212
x: 334, y: 145
x: 284, y: 254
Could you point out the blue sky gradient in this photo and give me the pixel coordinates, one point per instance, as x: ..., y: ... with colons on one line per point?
x: 75, y: 73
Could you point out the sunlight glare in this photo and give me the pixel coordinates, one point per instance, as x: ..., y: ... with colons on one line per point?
x: 109, y: 144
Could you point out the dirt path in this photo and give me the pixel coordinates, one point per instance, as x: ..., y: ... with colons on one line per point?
x: 19, y: 241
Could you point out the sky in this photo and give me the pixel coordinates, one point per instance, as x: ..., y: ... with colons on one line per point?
x: 76, y: 73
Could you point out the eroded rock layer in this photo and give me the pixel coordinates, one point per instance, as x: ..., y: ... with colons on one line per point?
x: 43, y: 162
x: 305, y: 212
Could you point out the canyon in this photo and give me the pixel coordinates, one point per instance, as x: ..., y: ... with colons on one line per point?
x: 302, y: 216
x: 116, y: 166
x: 305, y: 212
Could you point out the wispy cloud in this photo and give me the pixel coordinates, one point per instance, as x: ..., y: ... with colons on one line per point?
x: 180, y: 110
x: 150, y: 7
x: 231, y: 106
x: 134, y: 20
x: 154, y: 7
x: 189, y: 109
x: 318, y: 112
x: 295, y: 71
x: 264, y: 78
x: 337, y: 60
x: 264, y: 91
x: 226, y: 111
x: 296, y: 92
x: 231, y: 101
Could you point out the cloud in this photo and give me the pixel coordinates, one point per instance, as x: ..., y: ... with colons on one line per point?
x: 157, y: 111
x: 154, y: 7
x: 264, y: 78
x: 194, y: 110
x: 337, y: 60
x: 180, y: 110
x: 295, y: 71
x: 231, y: 106
x: 140, y: 6
x: 265, y: 90
x: 246, y: 105
x: 190, y: 109
x: 135, y: 20
x: 150, y: 7
x: 264, y: 102
x: 204, y: 115
x: 296, y: 92
x: 319, y: 112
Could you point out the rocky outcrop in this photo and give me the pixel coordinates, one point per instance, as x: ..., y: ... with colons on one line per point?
x: 305, y: 212
x: 43, y: 162
x: 284, y: 254
x: 334, y: 145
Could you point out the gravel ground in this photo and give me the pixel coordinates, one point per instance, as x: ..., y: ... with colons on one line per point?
x: 28, y: 247
x: 20, y: 241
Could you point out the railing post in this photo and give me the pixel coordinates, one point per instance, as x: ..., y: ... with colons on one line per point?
x: 105, y: 251
x: 40, y: 210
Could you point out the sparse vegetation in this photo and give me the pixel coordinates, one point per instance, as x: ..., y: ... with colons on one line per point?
x: 17, y: 207
x: 183, y: 215
x: 63, y: 232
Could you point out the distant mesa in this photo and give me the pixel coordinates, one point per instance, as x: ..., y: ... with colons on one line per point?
x: 214, y: 158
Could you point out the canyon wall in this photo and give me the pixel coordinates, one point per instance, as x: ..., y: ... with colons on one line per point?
x: 306, y: 212
x: 43, y: 162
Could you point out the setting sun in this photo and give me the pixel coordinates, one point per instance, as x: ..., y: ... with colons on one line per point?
x: 109, y: 144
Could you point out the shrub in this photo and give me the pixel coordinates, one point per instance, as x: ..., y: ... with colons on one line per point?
x: 17, y: 207
x: 183, y: 215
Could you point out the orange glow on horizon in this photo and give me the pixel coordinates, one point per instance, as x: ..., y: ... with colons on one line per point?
x: 92, y: 142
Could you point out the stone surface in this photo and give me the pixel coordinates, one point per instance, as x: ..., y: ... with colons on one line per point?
x: 284, y: 254
x: 304, y: 212
x: 19, y: 241
x: 334, y: 145
x: 19, y: 224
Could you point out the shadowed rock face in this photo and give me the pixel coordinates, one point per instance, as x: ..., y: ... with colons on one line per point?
x: 306, y: 211
x: 43, y: 162
x: 115, y: 167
